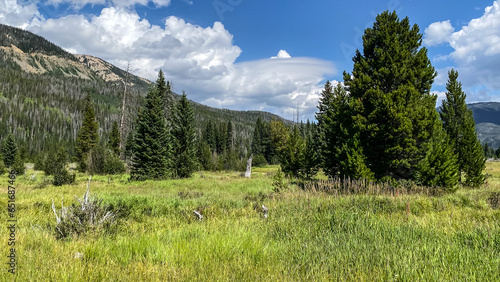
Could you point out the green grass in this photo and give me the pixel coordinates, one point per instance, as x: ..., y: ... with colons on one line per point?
x: 307, y: 236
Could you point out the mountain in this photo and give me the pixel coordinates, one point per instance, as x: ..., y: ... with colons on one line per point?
x: 487, y: 118
x: 42, y: 88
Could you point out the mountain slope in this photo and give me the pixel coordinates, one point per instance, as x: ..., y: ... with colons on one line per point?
x: 42, y: 89
x: 487, y: 118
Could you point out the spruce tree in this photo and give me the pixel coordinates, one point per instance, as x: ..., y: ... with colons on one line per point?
x: 114, y: 139
x: 393, y: 109
x: 340, y: 146
x: 209, y: 136
x: 9, y: 150
x: 18, y: 165
x: 88, y: 135
x: 184, y: 135
x: 230, y: 137
x: 311, y: 154
x: 293, y: 155
x: 439, y: 168
x: 149, y: 154
x: 460, y: 126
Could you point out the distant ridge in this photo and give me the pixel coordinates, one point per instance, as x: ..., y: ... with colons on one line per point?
x: 487, y: 118
x: 29, y: 42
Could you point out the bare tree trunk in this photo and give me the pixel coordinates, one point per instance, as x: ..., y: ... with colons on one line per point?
x: 249, y: 167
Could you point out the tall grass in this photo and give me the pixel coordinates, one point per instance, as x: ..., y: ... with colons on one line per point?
x: 308, y: 235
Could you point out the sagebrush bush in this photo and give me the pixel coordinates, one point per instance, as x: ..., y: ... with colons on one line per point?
x: 89, y: 215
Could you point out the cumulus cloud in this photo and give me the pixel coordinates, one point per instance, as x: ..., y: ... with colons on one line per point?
x: 282, y: 54
x: 200, y: 60
x: 476, y: 53
x: 19, y: 15
x: 437, y: 33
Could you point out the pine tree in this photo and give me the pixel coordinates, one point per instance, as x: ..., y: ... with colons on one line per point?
x: 149, y: 154
x: 114, y: 139
x: 88, y: 135
x: 9, y: 150
x: 393, y: 109
x: 184, y: 135
x: 460, y: 126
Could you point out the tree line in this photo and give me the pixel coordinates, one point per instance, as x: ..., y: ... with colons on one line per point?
x: 380, y: 124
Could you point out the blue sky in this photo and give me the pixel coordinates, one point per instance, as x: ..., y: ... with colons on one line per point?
x: 272, y: 55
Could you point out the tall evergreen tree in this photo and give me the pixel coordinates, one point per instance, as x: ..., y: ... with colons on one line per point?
x: 311, y: 154
x: 114, y: 139
x: 165, y: 91
x: 88, y: 135
x: 460, y: 126
x: 293, y: 154
x: 230, y: 137
x: 149, y: 155
x: 9, y: 150
x: 393, y: 109
x: 209, y: 136
x: 184, y: 134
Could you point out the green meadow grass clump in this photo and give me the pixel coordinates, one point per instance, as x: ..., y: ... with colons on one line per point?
x: 307, y: 235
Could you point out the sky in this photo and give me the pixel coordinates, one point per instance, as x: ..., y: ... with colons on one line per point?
x: 272, y: 55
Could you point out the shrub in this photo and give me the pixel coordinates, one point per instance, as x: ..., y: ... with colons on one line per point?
x: 18, y: 165
x: 494, y: 200
x: 89, y: 215
x: 63, y: 177
x: 103, y: 161
x: 279, y: 181
x: 3, y: 169
x: 39, y: 162
x: 259, y: 161
x: 55, y: 161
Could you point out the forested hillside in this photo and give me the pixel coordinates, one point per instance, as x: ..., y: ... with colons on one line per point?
x: 42, y: 90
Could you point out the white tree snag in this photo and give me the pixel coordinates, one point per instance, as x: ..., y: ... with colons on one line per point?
x: 249, y: 167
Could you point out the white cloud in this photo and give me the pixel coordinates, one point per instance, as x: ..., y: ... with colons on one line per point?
x: 18, y: 15
x: 437, y: 33
x: 200, y: 60
x: 78, y: 4
x: 480, y: 38
x: 282, y: 54
x: 476, y: 55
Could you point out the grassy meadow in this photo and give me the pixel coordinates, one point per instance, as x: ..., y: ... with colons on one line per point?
x: 308, y: 236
